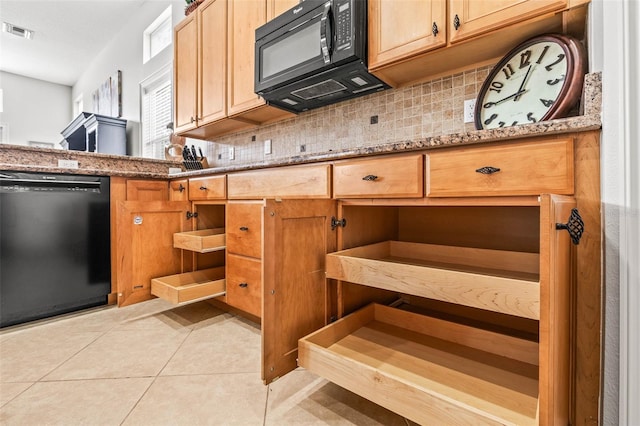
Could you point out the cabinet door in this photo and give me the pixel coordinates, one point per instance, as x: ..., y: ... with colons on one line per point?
x: 244, y: 17
x: 297, y: 237
x: 185, y: 53
x: 278, y: 7
x: 147, y: 190
x: 556, y: 301
x: 212, y: 76
x: 400, y: 29
x: 145, y: 245
x: 468, y: 18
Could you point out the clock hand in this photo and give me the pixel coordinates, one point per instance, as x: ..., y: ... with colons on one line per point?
x: 490, y: 104
x: 524, y: 81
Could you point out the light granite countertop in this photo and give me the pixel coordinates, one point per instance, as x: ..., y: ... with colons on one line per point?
x: 23, y: 158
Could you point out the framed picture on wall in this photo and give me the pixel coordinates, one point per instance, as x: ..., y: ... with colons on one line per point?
x: 107, y: 99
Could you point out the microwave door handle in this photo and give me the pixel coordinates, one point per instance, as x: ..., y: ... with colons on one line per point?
x: 325, y: 42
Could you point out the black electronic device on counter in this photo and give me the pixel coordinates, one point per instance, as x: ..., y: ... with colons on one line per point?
x: 314, y: 54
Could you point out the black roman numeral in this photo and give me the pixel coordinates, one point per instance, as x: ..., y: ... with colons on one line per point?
x: 557, y: 61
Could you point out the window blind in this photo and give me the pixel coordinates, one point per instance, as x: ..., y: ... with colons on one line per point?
x: 156, y: 115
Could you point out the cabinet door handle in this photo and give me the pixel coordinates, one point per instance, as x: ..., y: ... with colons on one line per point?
x: 244, y: 228
x: 243, y: 285
x: 487, y: 170
x: 193, y: 119
x: 434, y: 29
x: 456, y: 22
x: 574, y: 226
x: 203, y: 188
x: 370, y: 178
x: 181, y: 188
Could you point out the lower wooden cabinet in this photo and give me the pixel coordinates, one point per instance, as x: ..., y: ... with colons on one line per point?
x: 480, y: 331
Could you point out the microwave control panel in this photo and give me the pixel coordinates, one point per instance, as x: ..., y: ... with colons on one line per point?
x: 343, y: 24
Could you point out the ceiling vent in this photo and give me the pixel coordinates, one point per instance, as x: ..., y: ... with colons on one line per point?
x: 17, y: 31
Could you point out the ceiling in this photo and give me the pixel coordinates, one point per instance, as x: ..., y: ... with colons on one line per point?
x: 68, y: 34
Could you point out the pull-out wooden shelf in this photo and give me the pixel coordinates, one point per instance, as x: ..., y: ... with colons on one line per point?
x: 202, y: 241
x: 190, y: 286
x: 496, y: 280
x: 429, y: 370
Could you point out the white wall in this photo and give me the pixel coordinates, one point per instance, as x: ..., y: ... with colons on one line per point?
x: 615, y: 50
x: 34, y: 110
x: 124, y: 53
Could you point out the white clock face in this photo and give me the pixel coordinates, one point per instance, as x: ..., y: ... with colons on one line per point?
x: 526, y: 87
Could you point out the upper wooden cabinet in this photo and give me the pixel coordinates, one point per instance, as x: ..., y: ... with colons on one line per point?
x: 185, y: 72
x: 413, y: 41
x: 469, y: 18
x: 214, y: 66
x: 402, y: 29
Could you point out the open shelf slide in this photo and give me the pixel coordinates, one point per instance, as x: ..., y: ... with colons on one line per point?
x: 202, y: 241
x: 190, y: 286
x: 429, y: 370
x: 496, y: 280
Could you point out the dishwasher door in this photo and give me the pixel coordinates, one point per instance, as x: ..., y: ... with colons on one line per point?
x: 54, y: 245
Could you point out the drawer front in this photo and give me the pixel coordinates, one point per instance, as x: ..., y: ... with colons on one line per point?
x: 388, y: 177
x: 521, y: 168
x: 208, y: 188
x: 179, y: 190
x: 147, y: 190
x: 287, y: 182
x: 244, y: 284
x: 244, y: 229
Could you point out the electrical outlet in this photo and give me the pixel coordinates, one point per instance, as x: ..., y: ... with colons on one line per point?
x: 232, y: 152
x: 469, y: 107
x: 68, y: 164
x: 267, y: 146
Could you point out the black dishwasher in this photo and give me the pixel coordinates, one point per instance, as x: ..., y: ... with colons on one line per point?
x: 54, y: 244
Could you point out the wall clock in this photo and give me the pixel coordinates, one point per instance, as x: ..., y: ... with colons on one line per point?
x: 538, y: 80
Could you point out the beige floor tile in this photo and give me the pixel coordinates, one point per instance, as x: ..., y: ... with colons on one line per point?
x: 28, y: 355
x: 128, y: 353
x: 8, y: 391
x: 87, y: 402
x: 302, y: 398
x: 231, y: 346
x: 219, y: 399
x: 169, y: 317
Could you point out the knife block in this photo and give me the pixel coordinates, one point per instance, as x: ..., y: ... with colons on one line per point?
x: 196, y: 165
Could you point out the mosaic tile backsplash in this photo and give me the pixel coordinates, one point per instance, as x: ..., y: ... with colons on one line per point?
x: 423, y: 110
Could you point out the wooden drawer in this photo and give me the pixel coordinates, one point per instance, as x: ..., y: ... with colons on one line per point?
x: 244, y: 228
x: 244, y: 284
x: 288, y: 182
x: 431, y: 371
x: 147, y: 190
x: 202, y: 241
x: 208, y: 188
x: 520, y: 168
x: 496, y: 280
x: 384, y: 177
x: 190, y: 286
x: 179, y: 190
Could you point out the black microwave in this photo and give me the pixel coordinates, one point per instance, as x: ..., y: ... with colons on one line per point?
x: 314, y: 54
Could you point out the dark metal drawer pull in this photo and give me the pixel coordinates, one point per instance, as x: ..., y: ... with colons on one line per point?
x: 181, y: 188
x: 243, y: 285
x: 204, y: 188
x: 574, y: 226
x: 190, y: 215
x: 244, y: 228
x: 456, y: 22
x: 434, y: 29
x: 488, y: 170
x: 370, y: 177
